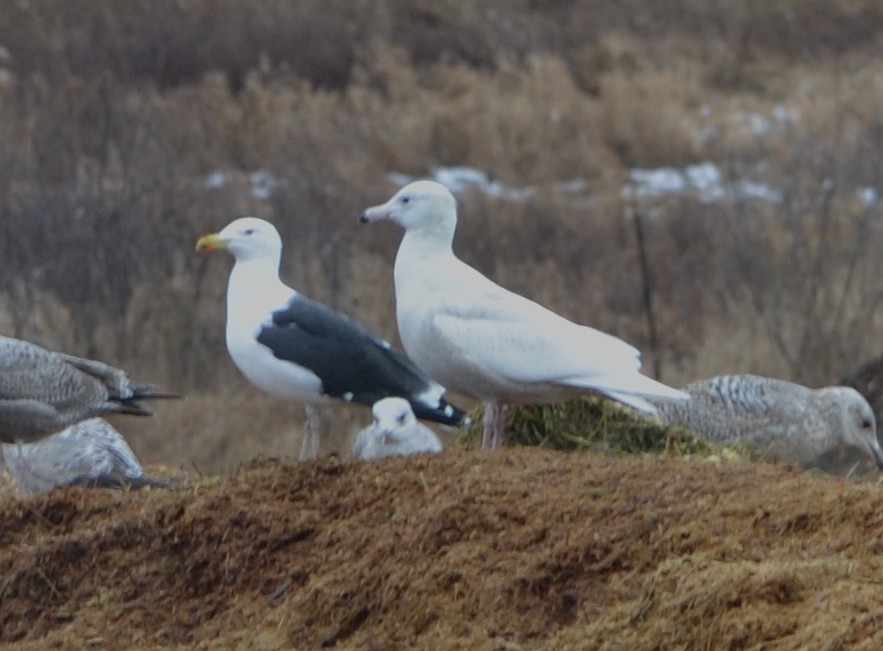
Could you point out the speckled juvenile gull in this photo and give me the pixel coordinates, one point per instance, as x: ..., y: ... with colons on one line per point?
x: 395, y: 431
x: 292, y: 347
x: 42, y: 392
x: 482, y: 340
x: 790, y: 422
x: 90, y: 453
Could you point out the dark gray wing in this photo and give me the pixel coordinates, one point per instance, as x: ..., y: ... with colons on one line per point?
x: 351, y: 361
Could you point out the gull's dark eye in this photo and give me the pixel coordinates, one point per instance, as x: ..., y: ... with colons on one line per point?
x: 401, y: 419
x: 405, y: 199
x: 866, y: 424
x: 248, y: 231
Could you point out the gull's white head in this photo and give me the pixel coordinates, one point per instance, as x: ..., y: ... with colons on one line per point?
x: 421, y: 206
x: 858, y: 425
x: 391, y: 416
x: 246, y: 238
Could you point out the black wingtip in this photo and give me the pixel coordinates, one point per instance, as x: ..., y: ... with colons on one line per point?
x: 130, y: 405
x: 150, y: 392
x: 130, y: 408
x: 446, y: 414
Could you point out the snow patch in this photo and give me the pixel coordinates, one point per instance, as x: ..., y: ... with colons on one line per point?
x: 460, y: 178
x: 261, y: 182
x: 703, y: 181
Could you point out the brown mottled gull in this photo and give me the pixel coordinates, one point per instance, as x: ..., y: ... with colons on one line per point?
x: 482, y: 340
x: 42, y: 392
x: 395, y: 431
x: 90, y: 453
x: 792, y: 423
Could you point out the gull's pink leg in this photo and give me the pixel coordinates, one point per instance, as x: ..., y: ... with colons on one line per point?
x: 499, y: 426
x: 487, y: 432
x: 309, y: 449
x: 494, y: 426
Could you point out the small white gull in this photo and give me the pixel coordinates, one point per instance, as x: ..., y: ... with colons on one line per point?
x: 292, y: 347
x: 788, y: 421
x: 482, y: 340
x: 43, y: 392
x: 395, y: 431
x: 90, y: 453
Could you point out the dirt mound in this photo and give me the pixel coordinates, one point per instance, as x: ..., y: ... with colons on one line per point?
x: 525, y: 549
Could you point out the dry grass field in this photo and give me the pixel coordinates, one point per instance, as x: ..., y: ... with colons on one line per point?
x: 524, y: 549
x: 743, y: 139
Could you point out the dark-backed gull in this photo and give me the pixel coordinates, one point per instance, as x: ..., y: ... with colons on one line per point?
x: 292, y: 347
x: 789, y: 422
x: 42, y: 392
x: 90, y: 453
x: 479, y: 339
x: 395, y: 431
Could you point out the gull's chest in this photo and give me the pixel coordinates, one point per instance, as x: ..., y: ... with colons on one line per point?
x: 417, y: 307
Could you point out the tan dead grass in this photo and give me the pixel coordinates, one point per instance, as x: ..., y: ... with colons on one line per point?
x: 524, y: 548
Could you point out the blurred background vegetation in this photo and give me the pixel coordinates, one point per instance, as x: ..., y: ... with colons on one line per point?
x: 129, y: 129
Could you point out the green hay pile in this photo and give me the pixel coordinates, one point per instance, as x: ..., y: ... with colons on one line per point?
x: 597, y: 425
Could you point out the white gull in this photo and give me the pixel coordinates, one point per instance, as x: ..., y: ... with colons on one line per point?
x: 395, y: 431
x: 482, y: 340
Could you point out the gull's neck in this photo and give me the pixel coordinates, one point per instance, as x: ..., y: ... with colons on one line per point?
x: 819, y: 440
x: 428, y: 243
x: 254, y: 290
x: 421, y: 248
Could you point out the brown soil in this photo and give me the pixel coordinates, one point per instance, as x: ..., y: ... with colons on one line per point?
x: 522, y: 549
